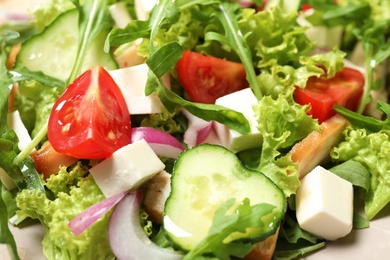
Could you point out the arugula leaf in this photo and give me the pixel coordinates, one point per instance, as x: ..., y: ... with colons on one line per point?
x: 160, y: 63
x: 370, y: 22
x: 376, y: 49
x: 354, y: 172
x: 361, y: 121
x: 6, y: 82
x: 225, y: 224
x: 228, y: 14
x: 295, y: 253
x: 233, y: 119
x: 94, y: 17
x: 6, y: 236
x: 293, y: 241
x: 162, y: 60
x: 359, y: 222
x: 26, y: 74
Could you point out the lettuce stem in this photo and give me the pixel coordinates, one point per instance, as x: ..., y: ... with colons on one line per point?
x: 369, y: 65
x: 34, y: 143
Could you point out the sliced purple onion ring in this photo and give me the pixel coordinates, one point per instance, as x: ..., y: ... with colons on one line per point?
x: 127, y: 238
x: 89, y: 216
x: 162, y: 143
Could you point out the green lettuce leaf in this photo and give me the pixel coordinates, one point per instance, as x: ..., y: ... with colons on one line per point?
x: 372, y: 150
x: 282, y: 123
x: 275, y: 35
x: 34, y: 102
x: 72, y: 193
x: 45, y: 13
x: 6, y: 236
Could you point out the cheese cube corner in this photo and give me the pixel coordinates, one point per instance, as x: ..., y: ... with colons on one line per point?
x: 127, y: 168
x: 241, y: 101
x: 324, y: 204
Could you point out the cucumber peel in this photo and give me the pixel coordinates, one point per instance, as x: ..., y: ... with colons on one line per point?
x: 204, y: 178
x: 54, y: 50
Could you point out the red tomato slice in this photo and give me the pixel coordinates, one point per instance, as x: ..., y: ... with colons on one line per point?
x: 306, y: 7
x: 345, y: 89
x: 90, y: 120
x: 207, y: 78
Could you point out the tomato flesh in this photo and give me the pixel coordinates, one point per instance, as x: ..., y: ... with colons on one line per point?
x: 207, y: 78
x: 345, y: 89
x: 90, y: 120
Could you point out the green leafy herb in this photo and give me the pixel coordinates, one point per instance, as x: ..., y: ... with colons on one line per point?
x: 208, y: 112
x: 359, y: 222
x: 94, y: 17
x: 369, y: 123
x: 228, y: 14
x: 353, y: 172
x: 25, y: 74
x: 162, y: 61
x: 370, y: 21
x: 73, y: 191
x: 372, y: 150
x: 225, y: 224
x: 6, y: 236
x: 282, y: 123
x: 6, y: 146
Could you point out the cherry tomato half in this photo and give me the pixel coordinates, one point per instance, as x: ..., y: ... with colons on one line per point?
x: 345, y: 89
x: 207, y: 78
x: 90, y: 120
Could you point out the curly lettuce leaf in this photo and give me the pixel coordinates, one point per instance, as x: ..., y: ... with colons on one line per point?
x: 72, y: 193
x: 282, y: 123
x: 372, y: 150
x: 275, y: 35
x: 281, y: 51
x: 45, y: 13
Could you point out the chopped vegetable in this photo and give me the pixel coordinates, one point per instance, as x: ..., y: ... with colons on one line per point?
x: 90, y: 120
x: 208, y: 184
x: 207, y: 78
x: 71, y: 194
x: 345, y: 89
x: 127, y: 238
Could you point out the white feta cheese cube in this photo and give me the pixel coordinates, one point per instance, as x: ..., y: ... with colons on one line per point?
x: 127, y: 168
x: 120, y: 14
x: 132, y: 82
x: 143, y: 8
x: 240, y: 101
x: 324, y: 204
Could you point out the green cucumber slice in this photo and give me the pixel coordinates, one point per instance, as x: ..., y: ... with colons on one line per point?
x: 203, y: 178
x: 54, y: 50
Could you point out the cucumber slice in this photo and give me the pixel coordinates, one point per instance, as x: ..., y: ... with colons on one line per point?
x: 54, y: 50
x: 203, y: 178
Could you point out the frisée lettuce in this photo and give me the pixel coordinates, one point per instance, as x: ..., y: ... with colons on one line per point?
x: 70, y: 192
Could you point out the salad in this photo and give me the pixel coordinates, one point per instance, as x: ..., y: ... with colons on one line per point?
x: 194, y: 129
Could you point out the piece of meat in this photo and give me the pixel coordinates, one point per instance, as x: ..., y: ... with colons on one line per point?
x: 315, y: 148
x: 157, y: 192
x: 48, y: 161
x: 264, y: 250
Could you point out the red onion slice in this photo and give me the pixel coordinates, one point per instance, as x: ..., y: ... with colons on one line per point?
x: 89, y: 216
x: 198, y: 129
x: 162, y: 143
x: 128, y: 239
